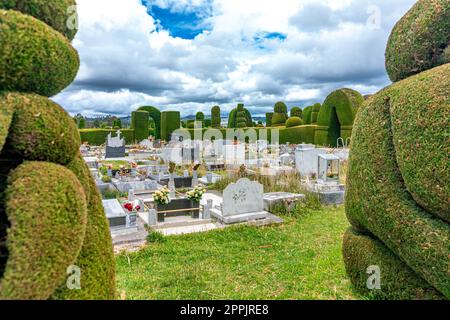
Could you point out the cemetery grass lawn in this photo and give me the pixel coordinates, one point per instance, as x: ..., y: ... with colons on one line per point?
x: 301, y: 259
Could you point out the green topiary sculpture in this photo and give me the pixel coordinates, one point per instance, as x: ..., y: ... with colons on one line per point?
x: 240, y: 118
x: 140, y: 125
x: 296, y: 112
x: 51, y: 214
x: 280, y: 115
x: 170, y: 121
x: 398, y: 186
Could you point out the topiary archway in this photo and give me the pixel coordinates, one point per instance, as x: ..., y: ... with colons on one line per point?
x: 154, y: 114
x: 336, y: 116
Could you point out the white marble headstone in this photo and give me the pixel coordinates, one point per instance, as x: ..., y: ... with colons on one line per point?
x: 242, y: 197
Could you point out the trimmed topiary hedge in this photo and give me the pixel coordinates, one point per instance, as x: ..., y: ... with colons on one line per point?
x: 170, y: 121
x: 140, y: 125
x: 377, y: 198
x: 97, y: 137
x: 55, y: 13
x: 398, y: 281
x: 336, y: 116
x: 420, y: 40
x: 25, y: 65
x: 155, y: 114
x: 294, y: 122
x: 48, y: 221
x: 46, y: 206
x: 216, y: 121
x: 40, y: 130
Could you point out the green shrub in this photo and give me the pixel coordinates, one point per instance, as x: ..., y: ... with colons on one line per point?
x: 40, y: 130
x: 297, y: 135
x: 140, y: 125
x: 170, y: 121
x: 46, y: 207
x: 154, y: 114
x: 377, y: 199
x: 294, y: 122
x: 420, y: 40
x: 53, y: 13
x: 97, y: 137
x: 297, y: 112
x: 398, y: 281
x: 336, y: 116
x: 24, y: 63
x: 216, y: 117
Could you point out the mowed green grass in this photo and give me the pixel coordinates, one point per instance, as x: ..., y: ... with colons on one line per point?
x: 300, y: 259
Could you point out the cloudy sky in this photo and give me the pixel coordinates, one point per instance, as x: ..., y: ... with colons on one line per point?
x: 190, y: 55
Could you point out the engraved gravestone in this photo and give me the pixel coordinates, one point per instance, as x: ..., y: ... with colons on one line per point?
x: 242, y: 197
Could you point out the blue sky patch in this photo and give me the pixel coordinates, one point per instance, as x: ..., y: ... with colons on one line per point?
x: 186, y: 24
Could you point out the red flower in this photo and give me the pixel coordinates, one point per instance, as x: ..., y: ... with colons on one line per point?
x: 138, y: 208
x: 128, y: 206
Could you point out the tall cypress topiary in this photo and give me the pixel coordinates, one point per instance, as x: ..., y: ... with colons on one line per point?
x: 170, y: 121
x: 216, y: 117
x: 140, y: 125
x: 51, y: 215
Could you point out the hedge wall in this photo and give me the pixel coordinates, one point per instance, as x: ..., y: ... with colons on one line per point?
x: 155, y: 114
x: 420, y: 40
x: 97, y: 137
x: 170, y: 121
x: 382, y: 187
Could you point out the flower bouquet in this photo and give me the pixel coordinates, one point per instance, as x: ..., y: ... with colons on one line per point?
x: 132, y: 208
x: 196, y: 195
x: 161, y: 197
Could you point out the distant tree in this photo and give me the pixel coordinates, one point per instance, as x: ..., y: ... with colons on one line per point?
x: 117, y: 123
x: 96, y: 123
x: 81, y: 123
